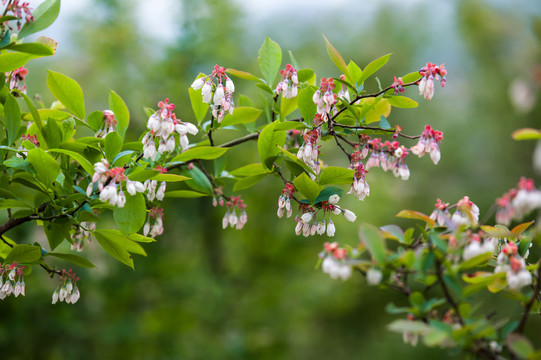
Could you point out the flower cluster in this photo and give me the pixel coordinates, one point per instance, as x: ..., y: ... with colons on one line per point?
x: 428, y: 144
x: 360, y: 186
x: 284, y: 201
x: 107, y: 180
x: 218, y: 196
x: 82, y: 233
x: 235, y: 205
x: 222, y: 100
x: 431, y: 72
x: 67, y: 289
x: 389, y: 155
x: 15, y: 79
x: 26, y: 137
x: 153, y: 190
x: 309, y: 150
x: 477, y: 247
x: 518, y: 202
x: 155, y: 215
x: 334, y: 261
x: 510, y: 262
x: 324, y: 98
x: 441, y: 213
x: 162, y: 126
x: 17, y: 9
x: 8, y: 286
x: 109, y: 123
x: 467, y: 213
x: 398, y: 85
x: 307, y: 222
x: 289, y: 82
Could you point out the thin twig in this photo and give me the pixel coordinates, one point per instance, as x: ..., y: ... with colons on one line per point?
x: 362, y: 127
x: 447, y: 293
x: 241, y: 140
x: 524, y: 318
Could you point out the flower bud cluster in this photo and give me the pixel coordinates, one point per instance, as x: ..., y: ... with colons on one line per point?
x: 518, y: 202
x: 467, y: 213
x: 335, y: 261
x: 284, y: 201
x: 510, y: 262
x: 15, y: 79
x: 108, y: 180
x: 82, y: 233
x: 162, y: 125
x: 360, y: 186
x: 220, y: 92
x: 324, y: 98
x: 236, y: 215
x: 289, y: 82
x: 398, y: 85
x: 431, y: 72
x: 477, y: 246
x: 441, y: 213
x: 17, y: 8
x: 218, y: 197
x: 309, y: 150
x: 389, y: 156
x: 307, y: 223
x: 109, y: 124
x: 67, y: 289
x: 154, y: 223
x: 153, y: 190
x: 428, y: 144
x: 8, y: 285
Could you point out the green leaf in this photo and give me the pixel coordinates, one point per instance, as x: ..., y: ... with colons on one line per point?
x: 248, y: 182
x: 374, y: 66
x: 68, y: 92
x: 306, y: 105
x: 249, y: 170
x: 198, y: 180
x: 12, y: 113
x: 411, y: 77
x: 287, y: 106
x: 519, y: 345
x: 296, y: 160
x: 113, y: 145
x: 336, y: 175
x: 118, y: 245
x: 416, y: 327
x: 74, y: 259
x: 475, y: 261
x: 307, y: 75
x: 169, y: 177
x: 12, y: 61
x: 122, y: 114
x: 132, y: 216
x: 184, y: 194
x: 201, y: 152
x: 337, y: 59
x: 289, y: 125
x: 241, y: 115
x: 266, y: 144
x: 328, y: 192
x: 265, y: 87
x: 199, y: 107
x: 308, y: 187
x: 410, y: 214
x: 33, y: 111
x: 24, y: 254
x: 269, y: 60
x: 32, y: 49
x: 13, y: 203
x: 526, y: 134
x: 86, y: 165
x: 44, y: 15
x: 402, y: 102
x: 355, y: 72
x: 95, y: 120
x: 53, y: 133
x: 243, y: 75
x: 47, y: 169
x: 499, y: 231
x: 393, y: 232
x: 374, y: 241
x: 519, y: 229
x: 56, y: 232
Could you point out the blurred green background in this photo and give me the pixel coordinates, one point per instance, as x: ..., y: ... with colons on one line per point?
x: 208, y: 293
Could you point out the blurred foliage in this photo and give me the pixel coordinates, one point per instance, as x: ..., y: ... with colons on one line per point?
x: 204, y: 293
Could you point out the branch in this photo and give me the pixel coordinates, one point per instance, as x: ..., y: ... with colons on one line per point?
x: 524, y: 318
x: 331, y: 130
x: 241, y: 140
x: 362, y: 127
x: 447, y: 293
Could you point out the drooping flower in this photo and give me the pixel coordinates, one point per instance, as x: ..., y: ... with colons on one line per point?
x: 289, y: 82
x: 431, y: 72
x: 67, y: 289
x: 235, y: 205
x: 11, y: 280
x: 428, y: 144
x: 467, y: 213
x: 219, y: 88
